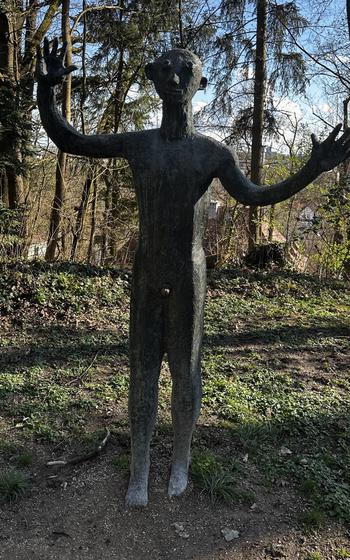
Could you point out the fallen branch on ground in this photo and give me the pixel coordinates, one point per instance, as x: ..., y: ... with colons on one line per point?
x: 82, y: 458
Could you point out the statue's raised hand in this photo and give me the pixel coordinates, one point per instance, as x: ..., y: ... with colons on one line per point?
x: 331, y: 152
x: 51, y: 68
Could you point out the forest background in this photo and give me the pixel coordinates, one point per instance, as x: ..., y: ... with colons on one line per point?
x: 277, y: 72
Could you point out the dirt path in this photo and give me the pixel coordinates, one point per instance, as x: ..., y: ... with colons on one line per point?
x: 82, y: 517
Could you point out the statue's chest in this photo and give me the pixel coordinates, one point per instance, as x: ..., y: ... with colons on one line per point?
x: 171, y: 164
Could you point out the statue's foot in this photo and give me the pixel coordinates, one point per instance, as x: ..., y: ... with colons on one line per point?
x: 137, y: 495
x: 178, y: 481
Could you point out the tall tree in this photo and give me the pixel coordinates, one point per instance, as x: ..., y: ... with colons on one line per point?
x: 56, y: 231
x: 246, y: 79
x: 20, y: 33
x: 258, y: 113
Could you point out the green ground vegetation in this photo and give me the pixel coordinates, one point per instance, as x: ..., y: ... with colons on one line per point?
x: 276, y: 379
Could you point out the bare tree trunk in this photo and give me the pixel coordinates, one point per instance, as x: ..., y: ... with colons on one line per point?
x: 105, y: 243
x: 84, y: 202
x: 19, y: 37
x: 258, y: 114
x: 114, y: 212
x: 3, y: 188
x: 272, y: 213
x: 56, y: 212
x: 113, y: 179
x: 93, y: 223
x: 17, y: 64
x: 344, y: 181
x: 10, y: 45
x: 56, y: 230
x: 81, y: 215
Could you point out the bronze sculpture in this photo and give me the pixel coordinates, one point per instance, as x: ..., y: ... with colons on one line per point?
x: 172, y: 168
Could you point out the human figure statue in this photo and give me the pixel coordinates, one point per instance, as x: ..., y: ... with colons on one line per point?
x: 172, y: 169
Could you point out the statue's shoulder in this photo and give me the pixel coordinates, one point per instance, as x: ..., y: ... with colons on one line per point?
x: 141, y: 136
x: 214, y: 147
x: 139, y: 142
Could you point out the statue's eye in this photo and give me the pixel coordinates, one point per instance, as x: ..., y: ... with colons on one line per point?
x: 166, y: 65
x: 189, y: 67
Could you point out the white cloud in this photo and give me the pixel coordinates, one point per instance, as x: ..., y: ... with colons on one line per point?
x: 287, y: 105
x: 198, y: 105
x: 322, y: 108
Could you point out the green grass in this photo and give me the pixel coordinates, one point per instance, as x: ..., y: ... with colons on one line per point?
x: 275, y: 373
x: 314, y: 556
x: 343, y: 553
x: 312, y: 519
x: 12, y: 485
x: 23, y: 459
x: 267, y: 410
x: 121, y: 464
x: 218, y: 478
x: 266, y: 401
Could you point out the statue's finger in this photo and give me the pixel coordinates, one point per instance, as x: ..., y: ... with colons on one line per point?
x: 314, y: 140
x: 54, y: 46
x: 63, y: 50
x: 346, y: 145
x: 346, y: 134
x: 344, y: 140
x: 345, y: 150
x: 46, y: 47
x: 334, y: 132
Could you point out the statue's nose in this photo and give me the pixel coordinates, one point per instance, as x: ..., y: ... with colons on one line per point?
x: 174, y: 79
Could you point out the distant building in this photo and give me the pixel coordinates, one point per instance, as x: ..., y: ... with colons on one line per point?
x: 213, y: 211
x: 305, y: 219
x: 37, y: 250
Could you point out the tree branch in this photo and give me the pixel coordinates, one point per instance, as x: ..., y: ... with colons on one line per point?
x: 343, y: 80
x: 42, y: 30
x: 92, y: 9
x: 82, y: 458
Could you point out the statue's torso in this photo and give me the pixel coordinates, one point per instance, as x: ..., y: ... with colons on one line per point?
x: 172, y: 180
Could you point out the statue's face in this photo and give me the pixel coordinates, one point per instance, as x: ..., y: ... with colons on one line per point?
x: 177, y: 75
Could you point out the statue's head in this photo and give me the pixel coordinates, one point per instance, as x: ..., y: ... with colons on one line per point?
x: 177, y: 75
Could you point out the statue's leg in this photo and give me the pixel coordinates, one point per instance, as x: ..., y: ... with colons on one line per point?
x: 145, y: 361
x: 185, y: 331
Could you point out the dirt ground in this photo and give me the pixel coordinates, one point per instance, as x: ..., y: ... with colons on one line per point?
x: 79, y: 514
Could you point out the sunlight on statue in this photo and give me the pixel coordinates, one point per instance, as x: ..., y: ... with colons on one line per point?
x: 173, y: 168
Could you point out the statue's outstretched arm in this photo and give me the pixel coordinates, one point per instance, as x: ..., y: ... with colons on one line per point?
x: 324, y: 156
x: 58, y: 129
